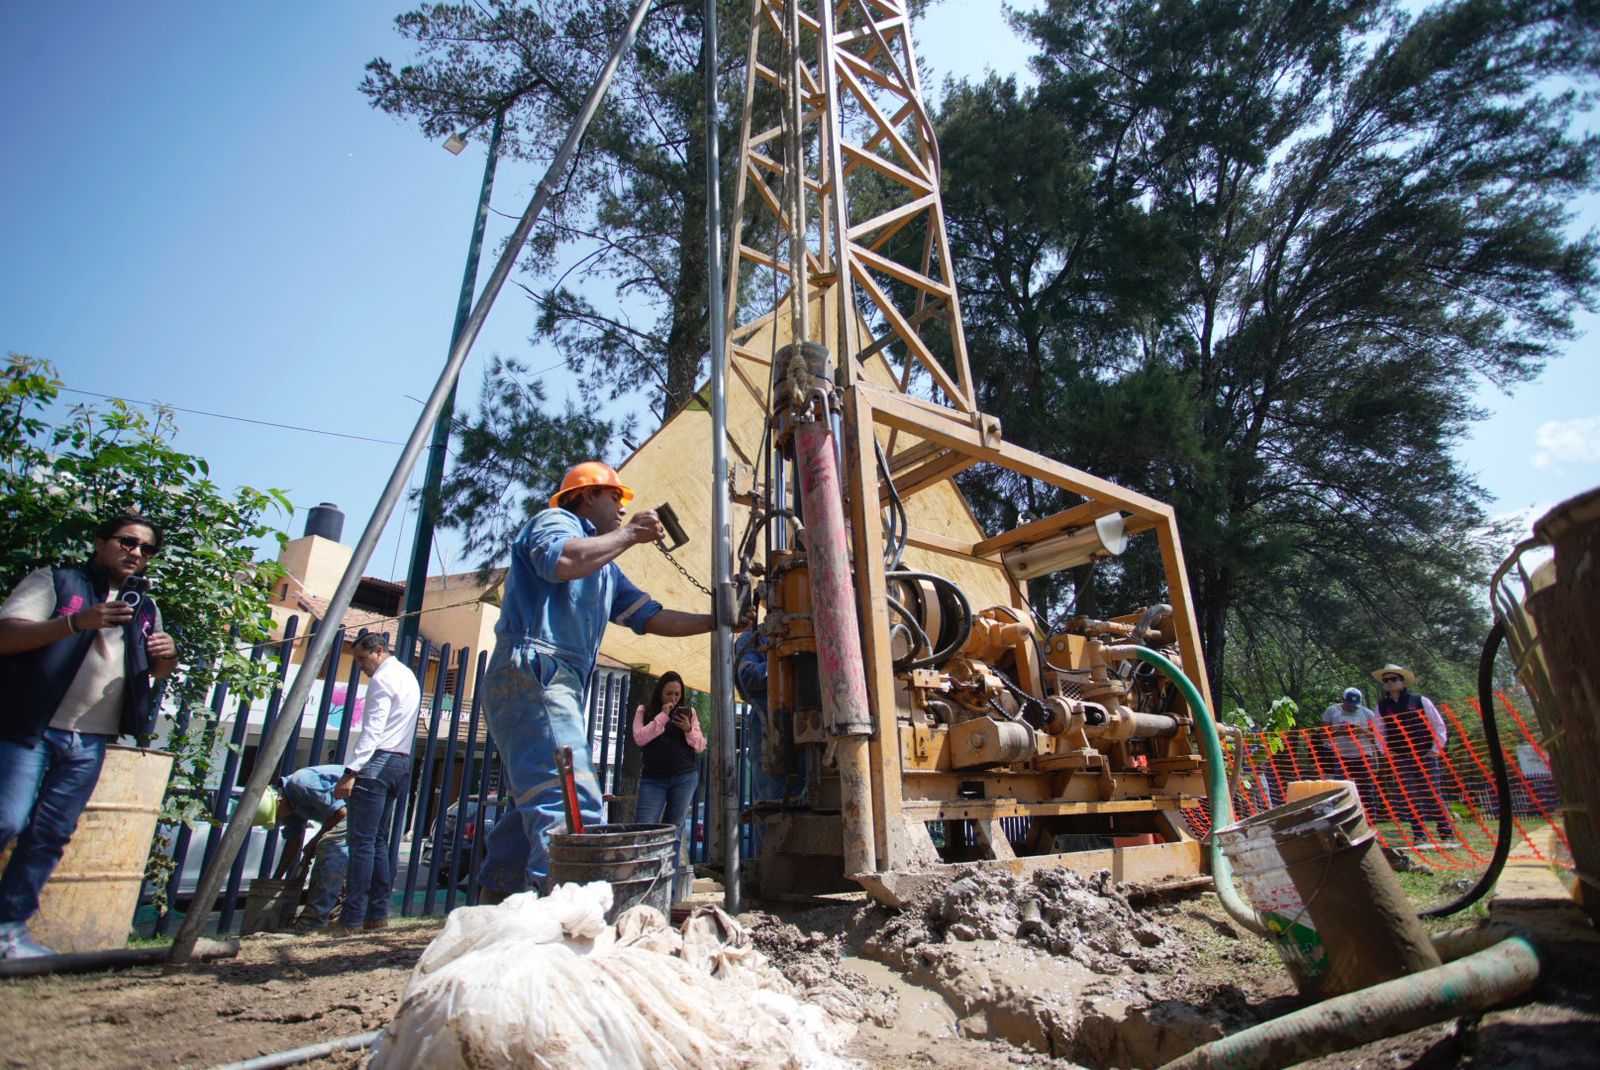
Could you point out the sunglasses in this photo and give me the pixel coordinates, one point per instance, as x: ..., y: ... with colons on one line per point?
x: 1394, y: 679
x: 131, y: 543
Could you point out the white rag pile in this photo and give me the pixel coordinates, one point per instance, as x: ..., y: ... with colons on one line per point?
x: 547, y: 983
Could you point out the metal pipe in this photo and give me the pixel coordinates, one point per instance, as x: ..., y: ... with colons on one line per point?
x: 833, y: 616
x: 272, y: 747
x: 428, y: 504
x: 723, y: 711
x: 296, y: 1056
x: 798, y: 278
x: 114, y: 959
x: 1469, y: 985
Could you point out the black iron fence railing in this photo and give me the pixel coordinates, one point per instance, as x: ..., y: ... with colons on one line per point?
x: 456, y: 794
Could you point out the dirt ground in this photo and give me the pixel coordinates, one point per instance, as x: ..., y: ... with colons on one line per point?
x: 964, y: 978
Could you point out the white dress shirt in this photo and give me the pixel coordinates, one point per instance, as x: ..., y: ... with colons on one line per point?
x: 389, y: 713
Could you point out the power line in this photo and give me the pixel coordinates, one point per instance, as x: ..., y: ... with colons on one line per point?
x: 239, y: 419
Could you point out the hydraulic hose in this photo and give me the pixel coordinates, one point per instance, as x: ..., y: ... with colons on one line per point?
x: 1470, y: 984
x: 964, y: 607
x: 1216, y: 786
x: 1502, y: 783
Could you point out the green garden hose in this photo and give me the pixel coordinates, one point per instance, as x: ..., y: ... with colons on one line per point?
x: 1216, y: 786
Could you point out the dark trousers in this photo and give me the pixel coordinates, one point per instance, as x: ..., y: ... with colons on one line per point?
x: 1417, y: 771
x: 379, y: 786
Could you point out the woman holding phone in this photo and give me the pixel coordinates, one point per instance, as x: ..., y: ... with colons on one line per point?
x: 669, y: 734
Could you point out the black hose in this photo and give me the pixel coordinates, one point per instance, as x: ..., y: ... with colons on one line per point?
x: 896, y: 548
x: 965, y: 607
x: 919, y: 637
x: 1502, y: 783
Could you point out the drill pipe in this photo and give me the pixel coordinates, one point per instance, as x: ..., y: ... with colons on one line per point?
x: 833, y: 608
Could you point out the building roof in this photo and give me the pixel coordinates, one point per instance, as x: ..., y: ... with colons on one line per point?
x: 354, y: 619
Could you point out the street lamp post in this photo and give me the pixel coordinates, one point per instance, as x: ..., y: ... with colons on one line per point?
x: 433, y: 478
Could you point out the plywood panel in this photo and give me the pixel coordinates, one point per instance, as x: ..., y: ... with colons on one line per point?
x: 674, y: 465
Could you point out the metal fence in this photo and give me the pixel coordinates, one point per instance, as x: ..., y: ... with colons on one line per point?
x: 456, y: 792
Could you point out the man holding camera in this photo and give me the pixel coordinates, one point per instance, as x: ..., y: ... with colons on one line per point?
x: 79, y: 647
x: 561, y: 589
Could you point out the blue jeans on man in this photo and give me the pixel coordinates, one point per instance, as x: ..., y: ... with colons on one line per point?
x: 369, y: 815
x: 328, y: 875
x: 533, y: 703
x: 44, y: 787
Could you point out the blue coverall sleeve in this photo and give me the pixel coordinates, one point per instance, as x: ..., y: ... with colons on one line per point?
x: 630, y: 606
x: 543, y: 538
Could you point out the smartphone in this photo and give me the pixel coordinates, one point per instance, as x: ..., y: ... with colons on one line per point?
x: 133, y: 591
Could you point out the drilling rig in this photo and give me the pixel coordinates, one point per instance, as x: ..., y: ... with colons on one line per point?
x: 921, y: 712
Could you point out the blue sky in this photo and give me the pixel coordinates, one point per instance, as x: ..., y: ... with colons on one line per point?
x: 199, y: 207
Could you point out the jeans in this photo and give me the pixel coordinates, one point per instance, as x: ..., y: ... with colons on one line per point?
x: 533, y: 704
x: 666, y: 801
x: 328, y: 875
x: 370, y: 815
x: 44, y: 787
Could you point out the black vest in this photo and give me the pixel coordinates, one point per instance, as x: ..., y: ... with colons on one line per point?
x: 668, y: 755
x: 1405, y: 723
x: 36, y: 681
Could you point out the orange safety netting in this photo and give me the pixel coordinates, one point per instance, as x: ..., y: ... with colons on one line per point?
x: 1440, y: 808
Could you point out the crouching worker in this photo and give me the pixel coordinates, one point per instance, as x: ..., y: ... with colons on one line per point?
x: 76, y: 662
x: 562, y: 587
x: 303, y: 796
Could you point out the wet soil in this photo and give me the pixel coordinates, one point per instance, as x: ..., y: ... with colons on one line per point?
x: 968, y: 976
x: 1056, y: 966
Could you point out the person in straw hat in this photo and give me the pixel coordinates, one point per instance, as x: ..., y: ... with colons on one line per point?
x: 1415, y: 737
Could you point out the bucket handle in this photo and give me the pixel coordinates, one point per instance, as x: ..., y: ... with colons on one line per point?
x: 662, y: 871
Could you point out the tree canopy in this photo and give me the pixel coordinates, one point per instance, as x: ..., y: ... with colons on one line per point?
x: 510, y: 457
x: 1257, y: 256
x: 633, y: 210
x: 1252, y: 257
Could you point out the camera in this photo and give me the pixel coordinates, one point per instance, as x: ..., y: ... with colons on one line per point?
x: 133, y: 591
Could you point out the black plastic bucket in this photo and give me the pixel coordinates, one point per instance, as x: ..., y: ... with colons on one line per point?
x: 638, y: 861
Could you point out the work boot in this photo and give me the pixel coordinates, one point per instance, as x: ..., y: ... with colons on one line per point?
x: 16, y: 942
x: 488, y: 897
x: 376, y: 923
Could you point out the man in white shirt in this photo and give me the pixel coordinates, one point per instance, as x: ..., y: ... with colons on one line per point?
x: 375, y: 779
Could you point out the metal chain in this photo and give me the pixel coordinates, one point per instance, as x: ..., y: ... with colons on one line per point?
x: 702, y: 588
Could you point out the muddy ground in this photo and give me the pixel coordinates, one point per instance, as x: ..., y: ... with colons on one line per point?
x: 966, y: 976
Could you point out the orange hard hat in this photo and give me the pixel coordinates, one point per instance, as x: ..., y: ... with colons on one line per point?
x: 590, y: 474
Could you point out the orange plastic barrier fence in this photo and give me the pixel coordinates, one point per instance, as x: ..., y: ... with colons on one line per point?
x: 1439, y: 807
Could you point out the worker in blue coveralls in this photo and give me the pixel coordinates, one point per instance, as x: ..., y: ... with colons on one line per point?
x: 307, y: 795
x: 561, y: 589
x: 750, y: 677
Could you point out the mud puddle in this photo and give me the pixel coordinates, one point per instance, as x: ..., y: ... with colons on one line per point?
x: 1053, y: 967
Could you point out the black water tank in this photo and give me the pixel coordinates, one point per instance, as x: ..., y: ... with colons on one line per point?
x: 325, y: 520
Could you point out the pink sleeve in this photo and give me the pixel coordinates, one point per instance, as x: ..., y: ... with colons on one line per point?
x: 646, y: 731
x: 696, y: 739
x: 1441, y: 734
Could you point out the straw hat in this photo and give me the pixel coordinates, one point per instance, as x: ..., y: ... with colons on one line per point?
x: 1396, y: 670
